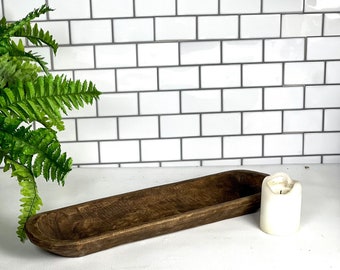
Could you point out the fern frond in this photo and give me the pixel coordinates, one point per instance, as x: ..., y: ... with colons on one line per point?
x: 44, y: 99
x: 30, y: 200
x: 23, y: 28
x: 30, y: 205
x: 13, y: 69
x: 37, y: 36
x: 39, y: 151
x: 9, y: 30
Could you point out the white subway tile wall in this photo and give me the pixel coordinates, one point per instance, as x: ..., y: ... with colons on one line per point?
x: 198, y: 82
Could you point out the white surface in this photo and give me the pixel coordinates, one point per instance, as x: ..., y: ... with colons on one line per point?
x: 236, y: 243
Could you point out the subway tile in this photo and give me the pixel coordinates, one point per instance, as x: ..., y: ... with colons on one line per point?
x: 304, y: 73
x: 304, y: 120
x: 202, y: 52
x: 240, y: 6
x: 71, y: 10
x: 321, y: 5
x: 105, y: 80
x: 262, y: 74
x: 17, y: 9
x: 217, y: 27
x: 240, y: 51
x: 322, y: 143
x: 161, y: 149
x: 118, y: 104
x: 159, y: 102
x: 139, y: 127
x: 155, y: 7
x: 181, y: 164
x: 75, y: 57
x: 59, y: 30
x: 332, y: 72
x: 331, y: 159
x: 201, y: 101
x: 221, y: 76
x: 178, y: 78
x: 321, y: 48
x: 175, y: 28
x: 278, y: 98
x: 332, y: 120
x: 301, y: 25
x: 91, y: 31
x: 87, y: 111
x: 222, y: 162
x: 202, y: 148
x: 284, y: 49
x: 158, y: 54
x: 282, y: 6
x: 109, y: 56
x: 97, y: 129
x: 262, y: 122
x: 133, y: 30
x: 221, y: 124
x: 180, y: 125
x: 112, y: 8
x: 261, y: 161
x: 285, y: 144
x: 242, y: 146
x: 119, y: 151
x: 323, y: 96
x: 244, y: 99
x: 186, y: 7
x: 69, y: 133
x: 137, y: 79
x: 45, y: 52
x: 302, y: 160
x: 140, y: 165
x: 260, y: 26
x: 332, y: 24
x: 81, y: 152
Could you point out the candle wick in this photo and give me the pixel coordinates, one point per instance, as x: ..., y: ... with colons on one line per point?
x: 280, y: 191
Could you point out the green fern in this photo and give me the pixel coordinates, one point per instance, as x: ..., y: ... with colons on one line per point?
x: 26, y: 97
x: 43, y: 99
x: 31, y: 203
x: 22, y: 28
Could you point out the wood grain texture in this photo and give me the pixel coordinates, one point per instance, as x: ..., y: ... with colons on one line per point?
x: 104, y: 223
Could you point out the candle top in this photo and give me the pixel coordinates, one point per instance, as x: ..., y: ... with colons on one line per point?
x: 280, y: 183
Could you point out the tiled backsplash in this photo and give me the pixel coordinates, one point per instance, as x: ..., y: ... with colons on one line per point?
x: 199, y: 82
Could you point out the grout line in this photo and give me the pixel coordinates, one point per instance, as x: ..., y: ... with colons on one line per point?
x: 196, y: 28
x: 239, y: 27
x: 91, y: 12
x: 133, y: 8
x: 112, y: 30
x: 99, y: 153
x: 322, y: 24
x: 159, y: 126
x: 154, y: 29
x: 281, y: 26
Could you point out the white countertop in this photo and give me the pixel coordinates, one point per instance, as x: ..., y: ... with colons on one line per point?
x: 235, y: 243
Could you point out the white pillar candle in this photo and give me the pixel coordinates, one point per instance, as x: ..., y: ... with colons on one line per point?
x: 280, y: 204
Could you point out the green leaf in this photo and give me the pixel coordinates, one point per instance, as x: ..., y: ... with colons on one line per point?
x: 36, y: 101
x: 30, y: 204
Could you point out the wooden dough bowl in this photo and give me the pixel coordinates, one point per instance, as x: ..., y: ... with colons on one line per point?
x: 104, y: 223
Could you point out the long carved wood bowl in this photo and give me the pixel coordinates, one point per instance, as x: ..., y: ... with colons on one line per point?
x: 100, y: 224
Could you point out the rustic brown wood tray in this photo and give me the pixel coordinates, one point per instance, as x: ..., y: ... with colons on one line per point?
x: 104, y: 223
